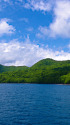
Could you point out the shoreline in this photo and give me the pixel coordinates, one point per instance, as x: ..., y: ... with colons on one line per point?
x: 38, y: 83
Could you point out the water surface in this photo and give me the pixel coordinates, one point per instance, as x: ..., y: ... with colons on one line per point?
x: 34, y: 104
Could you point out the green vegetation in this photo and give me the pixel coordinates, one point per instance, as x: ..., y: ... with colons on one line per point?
x: 45, y: 71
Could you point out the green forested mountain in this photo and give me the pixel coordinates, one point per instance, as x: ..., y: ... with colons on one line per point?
x: 45, y: 71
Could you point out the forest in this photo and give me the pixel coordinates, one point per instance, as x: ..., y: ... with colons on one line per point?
x: 46, y: 71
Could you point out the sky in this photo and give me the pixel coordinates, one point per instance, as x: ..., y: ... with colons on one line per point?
x: 31, y: 30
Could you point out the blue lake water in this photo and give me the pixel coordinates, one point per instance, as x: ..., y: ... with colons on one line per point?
x: 34, y: 104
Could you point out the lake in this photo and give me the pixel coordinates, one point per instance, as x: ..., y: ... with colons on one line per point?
x: 34, y: 104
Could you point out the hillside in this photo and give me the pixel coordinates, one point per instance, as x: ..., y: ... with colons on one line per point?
x: 45, y: 71
x: 11, y: 68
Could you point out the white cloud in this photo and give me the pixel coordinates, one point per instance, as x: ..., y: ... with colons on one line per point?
x: 25, y: 53
x: 43, y: 31
x: 5, y: 27
x: 60, y: 25
x: 42, y: 5
x: 38, y: 5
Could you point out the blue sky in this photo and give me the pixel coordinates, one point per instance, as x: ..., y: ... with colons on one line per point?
x: 31, y: 30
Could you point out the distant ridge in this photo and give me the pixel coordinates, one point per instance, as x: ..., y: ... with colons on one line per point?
x: 11, y: 68
x: 47, y: 71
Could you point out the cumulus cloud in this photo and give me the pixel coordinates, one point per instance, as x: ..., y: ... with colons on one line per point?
x: 25, y: 53
x: 5, y: 27
x: 60, y: 25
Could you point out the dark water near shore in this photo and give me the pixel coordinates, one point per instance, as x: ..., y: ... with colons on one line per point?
x: 34, y: 104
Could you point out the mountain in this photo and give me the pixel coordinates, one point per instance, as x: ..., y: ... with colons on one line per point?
x: 47, y: 71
